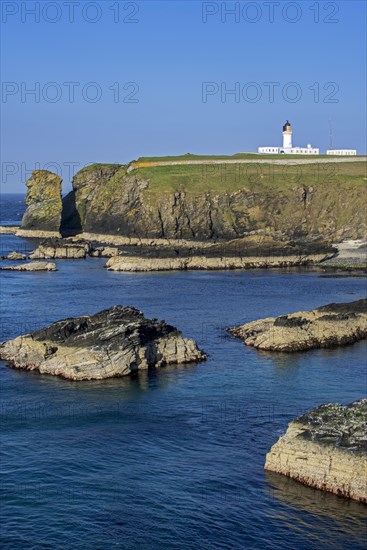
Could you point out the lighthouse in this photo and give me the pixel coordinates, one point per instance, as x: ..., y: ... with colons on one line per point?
x: 287, y: 136
x: 288, y: 148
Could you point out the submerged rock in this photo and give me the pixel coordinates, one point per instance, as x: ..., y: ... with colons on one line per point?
x: 44, y: 202
x: 324, y: 327
x: 326, y: 449
x: 31, y: 266
x: 115, y: 342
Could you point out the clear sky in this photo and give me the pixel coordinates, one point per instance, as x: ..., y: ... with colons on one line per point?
x: 113, y: 80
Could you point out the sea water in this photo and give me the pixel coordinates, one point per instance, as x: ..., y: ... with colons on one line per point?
x: 173, y: 458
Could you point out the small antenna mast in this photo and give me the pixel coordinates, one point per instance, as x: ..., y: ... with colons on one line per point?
x: 330, y: 134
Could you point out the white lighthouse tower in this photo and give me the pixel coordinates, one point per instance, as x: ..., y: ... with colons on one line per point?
x: 288, y: 148
x: 287, y: 137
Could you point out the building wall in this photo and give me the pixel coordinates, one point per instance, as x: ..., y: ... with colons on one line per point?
x: 304, y: 151
x: 341, y: 152
x: 269, y: 150
x: 289, y: 151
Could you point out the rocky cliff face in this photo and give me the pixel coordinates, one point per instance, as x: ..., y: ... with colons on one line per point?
x: 324, y: 327
x: 44, y: 202
x: 114, y: 342
x: 326, y: 449
x: 163, y: 203
x: 185, y: 202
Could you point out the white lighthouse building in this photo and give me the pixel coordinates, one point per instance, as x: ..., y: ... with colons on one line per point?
x: 288, y: 148
x: 287, y: 137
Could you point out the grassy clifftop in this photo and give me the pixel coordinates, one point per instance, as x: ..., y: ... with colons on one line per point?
x: 194, y: 178
x: 239, y: 156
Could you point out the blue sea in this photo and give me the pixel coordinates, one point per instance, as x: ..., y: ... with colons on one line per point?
x: 172, y: 459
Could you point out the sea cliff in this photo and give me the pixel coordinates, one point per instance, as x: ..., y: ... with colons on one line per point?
x: 204, y: 202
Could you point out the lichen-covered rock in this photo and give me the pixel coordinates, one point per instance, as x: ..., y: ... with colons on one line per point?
x: 115, y: 342
x: 324, y: 327
x: 44, y: 202
x: 326, y: 449
x: 31, y: 266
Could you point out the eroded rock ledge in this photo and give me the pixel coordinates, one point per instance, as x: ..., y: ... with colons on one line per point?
x: 324, y: 327
x: 326, y: 449
x: 114, y: 342
x: 131, y: 263
x: 31, y: 266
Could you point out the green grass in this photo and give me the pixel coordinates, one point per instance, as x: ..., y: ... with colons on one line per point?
x: 241, y: 156
x: 230, y: 178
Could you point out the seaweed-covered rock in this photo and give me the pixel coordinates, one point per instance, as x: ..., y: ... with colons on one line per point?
x: 326, y: 449
x: 324, y: 327
x: 44, y: 202
x: 114, y: 342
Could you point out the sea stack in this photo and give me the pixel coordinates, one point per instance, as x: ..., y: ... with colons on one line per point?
x: 44, y: 202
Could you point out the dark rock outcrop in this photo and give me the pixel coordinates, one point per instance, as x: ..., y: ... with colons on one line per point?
x: 114, y: 342
x: 324, y: 327
x: 326, y: 449
x: 44, y: 202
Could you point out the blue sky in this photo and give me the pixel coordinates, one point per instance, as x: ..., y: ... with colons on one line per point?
x: 163, y: 60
